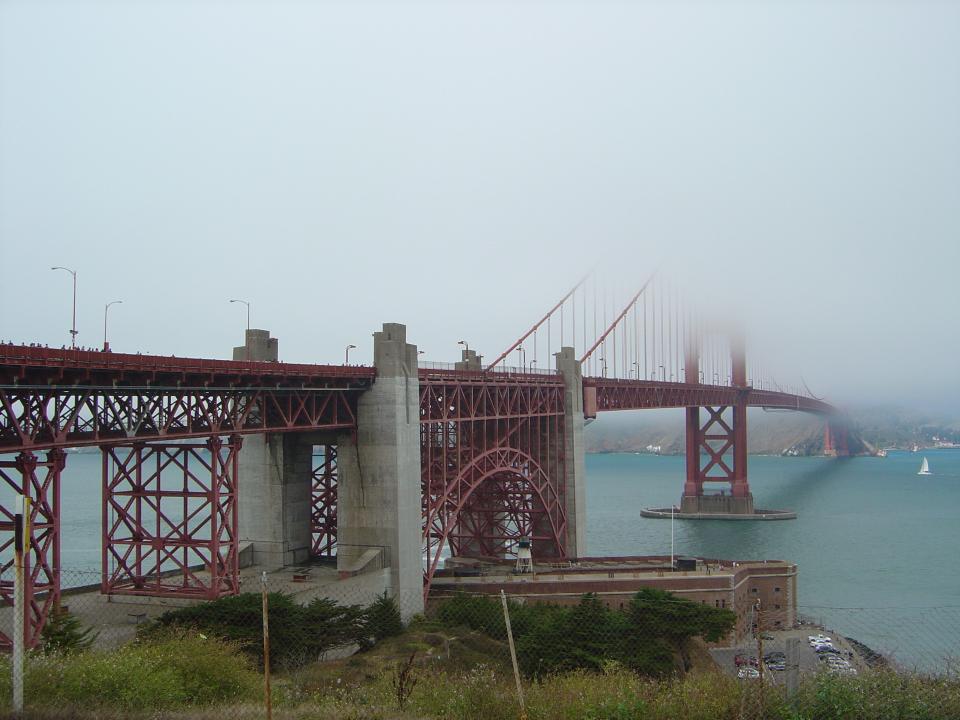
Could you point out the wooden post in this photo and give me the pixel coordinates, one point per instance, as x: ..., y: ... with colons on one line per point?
x: 513, y: 655
x: 266, y: 646
x: 21, y: 546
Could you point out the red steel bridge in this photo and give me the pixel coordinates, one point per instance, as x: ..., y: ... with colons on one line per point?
x: 414, y: 459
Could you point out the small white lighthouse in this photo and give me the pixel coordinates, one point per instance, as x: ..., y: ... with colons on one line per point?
x: 524, y: 555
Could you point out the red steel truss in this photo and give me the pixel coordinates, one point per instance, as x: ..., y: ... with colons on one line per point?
x: 604, y: 394
x: 323, y: 496
x: 40, y: 481
x: 170, y: 519
x: 39, y: 418
x: 836, y: 439
x: 717, y: 450
x: 492, y: 463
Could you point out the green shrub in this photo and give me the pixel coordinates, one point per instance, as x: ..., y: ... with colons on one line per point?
x: 298, y: 633
x: 647, y: 637
x: 383, y: 618
x: 63, y: 633
x: 170, y: 672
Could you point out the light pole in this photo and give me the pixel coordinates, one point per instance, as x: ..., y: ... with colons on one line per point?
x: 523, y: 357
x: 466, y: 347
x: 106, y: 345
x: 663, y: 373
x: 248, y: 310
x: 603, y: 367
x: 73, y: 325
x: 346, y: 354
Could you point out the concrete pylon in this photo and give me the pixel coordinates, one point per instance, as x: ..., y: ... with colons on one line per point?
x: 379, y: 511
x: 275, y: 477
x: 575, y: 473
x: 274, y: 481
x: 258, y: 346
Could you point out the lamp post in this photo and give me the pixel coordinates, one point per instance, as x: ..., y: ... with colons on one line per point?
x: 523, y: 357
x: 106, y: 345
x: 466, y: 347
x: 73, y: 324
x: 346, y: 354
x: 248, y: 310
x: 663, y: 373
x: 603, y: 367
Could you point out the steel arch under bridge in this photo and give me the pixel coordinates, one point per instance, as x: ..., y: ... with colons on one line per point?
x: 493, y: 464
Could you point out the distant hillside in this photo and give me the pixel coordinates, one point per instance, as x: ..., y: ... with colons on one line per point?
x: 771, y: 433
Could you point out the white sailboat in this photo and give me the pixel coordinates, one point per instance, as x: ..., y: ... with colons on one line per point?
x: 924, y: 468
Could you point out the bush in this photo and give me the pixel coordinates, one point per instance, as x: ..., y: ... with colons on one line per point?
x: 170, y: 672
x: 648, y: 637
x: 63, y: 633
x: 383, y: 618
x: 298, y: 633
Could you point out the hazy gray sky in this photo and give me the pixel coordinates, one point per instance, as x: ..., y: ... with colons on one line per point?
x: 455, y: 166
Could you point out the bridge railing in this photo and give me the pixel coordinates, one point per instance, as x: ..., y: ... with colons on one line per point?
x: 499, y: 370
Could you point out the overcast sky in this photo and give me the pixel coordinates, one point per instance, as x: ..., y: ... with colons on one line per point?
x: 455, y: 167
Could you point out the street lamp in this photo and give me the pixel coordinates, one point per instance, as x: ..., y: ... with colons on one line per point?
x: 716, y: 378
x: 73, y: 326
x: 603, y: 367
x: 523, y: 357
x: 248, y: 310
x: 106, y: 345
x: 466, y: 347
x: 663, y: 373
x: 701, y: 376
x: 346, y: 355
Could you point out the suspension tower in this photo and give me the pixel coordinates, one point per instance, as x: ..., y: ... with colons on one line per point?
x: 716, y: 445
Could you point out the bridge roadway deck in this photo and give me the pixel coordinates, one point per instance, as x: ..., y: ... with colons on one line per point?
x: 53, y: 398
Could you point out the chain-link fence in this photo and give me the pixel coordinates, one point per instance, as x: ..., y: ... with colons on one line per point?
x: 337, y: 647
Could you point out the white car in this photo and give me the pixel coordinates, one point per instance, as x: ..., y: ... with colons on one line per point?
x: 748, y: 672
x: 818, y: 639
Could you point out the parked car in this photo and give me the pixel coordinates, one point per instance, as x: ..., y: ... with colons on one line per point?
x: 740, y: 660
x: 778, y: 665
x: 748, y: 672
x: 819, y: 639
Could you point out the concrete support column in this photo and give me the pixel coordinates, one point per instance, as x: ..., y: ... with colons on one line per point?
x: 275, y: 476
x: 378, y: 492
x: 257, y: 346
x: 575, y: 473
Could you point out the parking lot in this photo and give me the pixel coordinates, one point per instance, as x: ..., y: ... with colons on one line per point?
x: 808, y: 658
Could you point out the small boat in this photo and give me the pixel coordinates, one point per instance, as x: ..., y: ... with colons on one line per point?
x: 924, y: 468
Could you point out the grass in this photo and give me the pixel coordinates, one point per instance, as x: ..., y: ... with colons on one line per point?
x: 462, y: 675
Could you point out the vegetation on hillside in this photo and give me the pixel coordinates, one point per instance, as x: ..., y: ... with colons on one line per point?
x: 451, y: 672
x: 649, y: 636
x: 299, y: 634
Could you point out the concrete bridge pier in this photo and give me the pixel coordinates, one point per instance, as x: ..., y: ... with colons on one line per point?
x: 379, y: 506
x: 575, y: 472
x: 275, y: 480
